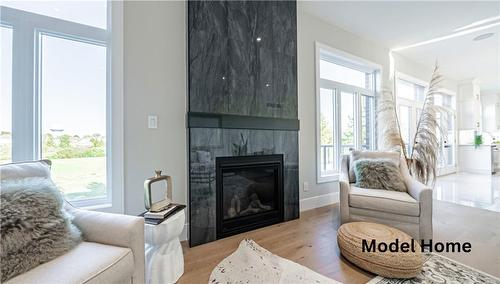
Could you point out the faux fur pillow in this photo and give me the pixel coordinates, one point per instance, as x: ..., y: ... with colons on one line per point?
x: 378, y: 174
x: 34, y: 227
x: 358, y: 155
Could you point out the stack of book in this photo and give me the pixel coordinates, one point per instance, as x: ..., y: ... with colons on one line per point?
x: 156, y: 218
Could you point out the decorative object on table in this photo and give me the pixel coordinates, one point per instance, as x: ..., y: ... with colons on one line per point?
x: 422, y: 159
x: 388, y: 264
x: 164, y: 258
x: 161, y: 214
x: 162, y: 204
x: 478, y: 140
x: 251, y: 263
x: 155, y: 218
x: 241, y: 149
x: 440, y: 269
x: 478, y: 137
x: 35, y: 227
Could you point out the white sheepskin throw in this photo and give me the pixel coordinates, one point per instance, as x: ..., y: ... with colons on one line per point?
x: 34, y: 227
x: 251, y: 263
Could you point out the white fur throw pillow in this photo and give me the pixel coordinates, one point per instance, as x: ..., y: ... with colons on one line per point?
x: 378, y: 174
x: 34, y: 226
x: 358, y: 155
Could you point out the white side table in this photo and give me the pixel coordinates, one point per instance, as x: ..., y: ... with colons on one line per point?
x: 164, y: 258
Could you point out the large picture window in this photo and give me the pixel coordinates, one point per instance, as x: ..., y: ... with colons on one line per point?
x: 56, y: 85
x: 345, y: 108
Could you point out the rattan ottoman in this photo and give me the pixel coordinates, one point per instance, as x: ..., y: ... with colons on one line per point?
x: 391, y: 264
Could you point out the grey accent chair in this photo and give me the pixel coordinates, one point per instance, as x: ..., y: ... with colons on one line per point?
x: 411, y: 211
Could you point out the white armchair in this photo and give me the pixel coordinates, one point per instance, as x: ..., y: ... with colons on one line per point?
x: 112, y: 250
x: 409, y: 211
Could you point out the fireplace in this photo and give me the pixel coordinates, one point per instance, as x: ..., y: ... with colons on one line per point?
x: 249, y: 193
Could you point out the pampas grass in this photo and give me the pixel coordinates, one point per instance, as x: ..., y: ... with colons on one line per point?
x: 424, y: 153
x: 388, y: 123
x: 422, y: 159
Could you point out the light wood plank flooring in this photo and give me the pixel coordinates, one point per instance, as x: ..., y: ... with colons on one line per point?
x: 310, y: 241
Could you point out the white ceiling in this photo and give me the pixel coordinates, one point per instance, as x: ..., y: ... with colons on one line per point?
x: 396, y: 24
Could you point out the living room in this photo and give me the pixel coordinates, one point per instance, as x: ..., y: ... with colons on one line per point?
x: 255, y: 113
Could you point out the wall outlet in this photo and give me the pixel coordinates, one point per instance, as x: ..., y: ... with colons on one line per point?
x: 152, y: 121
x: 306, y: 186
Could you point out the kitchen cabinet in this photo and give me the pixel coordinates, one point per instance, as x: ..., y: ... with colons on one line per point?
x: 491, y: 117
x: 469, y: 105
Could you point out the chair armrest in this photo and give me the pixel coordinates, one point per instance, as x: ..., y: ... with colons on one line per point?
x: 113, y: 229
x: 416, y: 189
x: 423, y: 194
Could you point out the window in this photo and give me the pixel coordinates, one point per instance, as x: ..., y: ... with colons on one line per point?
x: 61, y: 94
x: 73, y: 115
x: 446, y: 120
x: 6, y: 95
x: 345, y: 108
x: 410, y: 99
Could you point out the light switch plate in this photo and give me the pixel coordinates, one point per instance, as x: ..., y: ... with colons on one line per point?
x: 306, y: 186
x: 152, y: 121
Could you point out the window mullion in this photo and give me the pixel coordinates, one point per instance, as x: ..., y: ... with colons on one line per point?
x: 338, y: 127
x: 23, y: 103
x: 357, y: 121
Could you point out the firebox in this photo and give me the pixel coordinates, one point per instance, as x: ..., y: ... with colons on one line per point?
x: 249, y: 193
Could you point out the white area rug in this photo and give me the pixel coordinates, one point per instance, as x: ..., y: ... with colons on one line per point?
x: 251, y: 263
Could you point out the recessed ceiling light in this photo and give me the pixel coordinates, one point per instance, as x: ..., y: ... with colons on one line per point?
x: 258, y: 39
x: 483, y: 36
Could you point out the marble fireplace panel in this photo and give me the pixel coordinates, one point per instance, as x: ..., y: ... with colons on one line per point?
x: 209, y: 143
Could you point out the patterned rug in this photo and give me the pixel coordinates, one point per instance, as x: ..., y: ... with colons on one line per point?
x: 251, y: 263
x: 440, y: 269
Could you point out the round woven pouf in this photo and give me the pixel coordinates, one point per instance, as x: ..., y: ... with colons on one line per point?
x: 387, y: 264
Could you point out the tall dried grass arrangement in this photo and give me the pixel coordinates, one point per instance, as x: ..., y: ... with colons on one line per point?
x: 422, y: 159
x: 424, y: 153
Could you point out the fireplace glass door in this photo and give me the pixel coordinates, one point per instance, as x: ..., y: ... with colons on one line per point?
x: 249, y: 193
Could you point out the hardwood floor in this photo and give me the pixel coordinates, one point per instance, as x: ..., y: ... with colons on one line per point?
x: 310, y: 241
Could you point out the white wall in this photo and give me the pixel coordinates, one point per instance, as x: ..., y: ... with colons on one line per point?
x: 154, y: 83
x: 421, y: 72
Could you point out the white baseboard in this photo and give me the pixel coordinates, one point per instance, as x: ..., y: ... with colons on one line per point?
x: 319, y: 201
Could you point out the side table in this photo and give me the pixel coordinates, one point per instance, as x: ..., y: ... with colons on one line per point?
x: 164, y: 258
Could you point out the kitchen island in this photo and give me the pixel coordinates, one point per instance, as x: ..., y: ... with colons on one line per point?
x: 483, y: 159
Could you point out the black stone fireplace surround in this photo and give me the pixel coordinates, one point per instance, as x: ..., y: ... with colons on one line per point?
x: 249, y: 193
x: 242, y: 58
